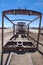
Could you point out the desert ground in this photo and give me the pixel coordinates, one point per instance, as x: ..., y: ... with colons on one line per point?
x: 33, y: 58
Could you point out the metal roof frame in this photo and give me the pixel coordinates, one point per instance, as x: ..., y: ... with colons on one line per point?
x: 17, y: 12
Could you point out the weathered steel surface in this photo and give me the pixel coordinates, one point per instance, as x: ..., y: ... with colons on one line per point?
x: 23, y: 12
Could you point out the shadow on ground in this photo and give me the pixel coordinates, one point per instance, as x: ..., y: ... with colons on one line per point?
x: 25, y: 51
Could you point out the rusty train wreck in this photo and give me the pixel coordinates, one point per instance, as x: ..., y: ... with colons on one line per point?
x: 19, y: 44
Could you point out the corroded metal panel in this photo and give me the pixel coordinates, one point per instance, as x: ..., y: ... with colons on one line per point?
x: 23, y: 12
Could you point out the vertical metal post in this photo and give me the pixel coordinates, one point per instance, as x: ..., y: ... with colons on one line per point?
x: 28, y: 30
x: 2, y: 38
x: 39, y: 32
x: 13, y: 29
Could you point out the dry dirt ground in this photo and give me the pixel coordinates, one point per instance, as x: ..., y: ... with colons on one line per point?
x: 23, y: 59
x: 7, y: 35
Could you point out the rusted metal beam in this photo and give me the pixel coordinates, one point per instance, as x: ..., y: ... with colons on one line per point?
x: 2, y: 38
x: 21, y: 20
x: 13, y: 29
x: 17, y: 11
x: 8, y: 59
x: 34, y: 20
x: 22, y: 11
x: 39, y: 31
x: 28, y: 29
x: 9, y: 19
x: 2, y: 30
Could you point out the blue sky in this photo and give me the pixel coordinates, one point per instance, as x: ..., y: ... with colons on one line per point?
x: 15, y: 4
